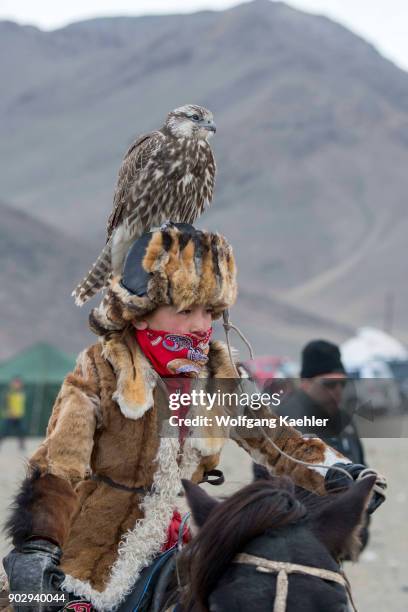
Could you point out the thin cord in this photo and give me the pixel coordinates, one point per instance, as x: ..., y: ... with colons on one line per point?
x: 227, y: 328
x: 180, y: 546
x: 381, y: 482
x: 305, y: 463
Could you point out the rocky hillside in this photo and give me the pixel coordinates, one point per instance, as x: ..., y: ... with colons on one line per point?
x: 312, y: 149
x: 39, y: 267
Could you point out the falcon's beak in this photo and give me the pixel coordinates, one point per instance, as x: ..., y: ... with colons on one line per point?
x: 209, y: 125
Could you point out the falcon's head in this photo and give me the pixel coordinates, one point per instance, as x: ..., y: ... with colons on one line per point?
x: 191, y: 121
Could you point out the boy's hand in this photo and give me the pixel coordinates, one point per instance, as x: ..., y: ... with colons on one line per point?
x: 33, y: 569
x: 336, y: 480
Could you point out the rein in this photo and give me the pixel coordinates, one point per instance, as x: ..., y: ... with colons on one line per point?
x: 283, y: 569
x: 227, y: 328
x: 380, y: 484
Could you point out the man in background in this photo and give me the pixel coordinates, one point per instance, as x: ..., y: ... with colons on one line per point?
x: 322, y: 383
x: 323, y: 379
x: 14, y: 412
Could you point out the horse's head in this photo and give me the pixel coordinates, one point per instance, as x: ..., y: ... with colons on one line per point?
x: 335, y: 519
x: 272, y: 519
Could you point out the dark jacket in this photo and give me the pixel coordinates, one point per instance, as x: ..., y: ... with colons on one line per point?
x: 340, y: 432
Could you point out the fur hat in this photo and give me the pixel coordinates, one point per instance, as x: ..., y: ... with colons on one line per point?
x: 175, y: 265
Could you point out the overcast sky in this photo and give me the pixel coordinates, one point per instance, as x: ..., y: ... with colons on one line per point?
x: 382, y: 22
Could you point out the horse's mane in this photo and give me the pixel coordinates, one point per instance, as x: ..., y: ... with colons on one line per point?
x: 260, y: 506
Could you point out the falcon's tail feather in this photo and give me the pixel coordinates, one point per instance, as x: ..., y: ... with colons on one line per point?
x: 96, y: 279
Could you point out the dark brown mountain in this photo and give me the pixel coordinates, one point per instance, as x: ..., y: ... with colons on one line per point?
x: 312, y: 149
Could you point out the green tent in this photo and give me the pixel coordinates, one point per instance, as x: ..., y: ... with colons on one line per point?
x: 42, y: 368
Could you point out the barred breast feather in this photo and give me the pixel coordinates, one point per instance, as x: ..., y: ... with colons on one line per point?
x: 161, y: 178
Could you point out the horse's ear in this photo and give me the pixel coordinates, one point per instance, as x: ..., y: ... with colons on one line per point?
x: 260, y: 472
x: 199, y: 501
x: 338, y: 523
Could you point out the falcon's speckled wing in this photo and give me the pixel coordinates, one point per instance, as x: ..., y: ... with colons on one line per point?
x: 133, y: 162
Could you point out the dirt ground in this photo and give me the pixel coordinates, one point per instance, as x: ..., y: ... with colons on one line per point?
x: 379, y: 580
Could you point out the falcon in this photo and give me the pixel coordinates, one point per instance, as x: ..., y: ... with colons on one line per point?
x: 166, y: 175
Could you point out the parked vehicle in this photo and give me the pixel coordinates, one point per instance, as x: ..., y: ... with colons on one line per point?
x: 376, y: 387
x: 272, y: 371
x: 399, y: 368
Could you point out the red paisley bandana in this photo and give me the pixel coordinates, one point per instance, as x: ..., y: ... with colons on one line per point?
x: 175, y: 354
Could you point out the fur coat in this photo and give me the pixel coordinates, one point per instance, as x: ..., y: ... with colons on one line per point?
x: 105, y: 482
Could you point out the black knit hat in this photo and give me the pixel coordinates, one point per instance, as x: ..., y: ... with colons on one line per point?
x: 320, y: 357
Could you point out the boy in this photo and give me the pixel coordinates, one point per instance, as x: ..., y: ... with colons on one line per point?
x: 98, y: 501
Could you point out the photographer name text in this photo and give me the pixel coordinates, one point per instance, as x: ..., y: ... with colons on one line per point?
x: 244, y: 421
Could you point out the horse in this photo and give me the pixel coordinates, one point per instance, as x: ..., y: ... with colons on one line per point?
x: 272, y: 546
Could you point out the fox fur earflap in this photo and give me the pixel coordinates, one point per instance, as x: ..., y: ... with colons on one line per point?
x: 184, y: 269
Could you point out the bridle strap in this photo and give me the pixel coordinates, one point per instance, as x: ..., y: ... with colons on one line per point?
x: 282, y: 568
x: 282, y: 587
x: 270, y: 566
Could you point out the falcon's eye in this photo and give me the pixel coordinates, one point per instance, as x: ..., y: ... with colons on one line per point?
x: 195, y: 117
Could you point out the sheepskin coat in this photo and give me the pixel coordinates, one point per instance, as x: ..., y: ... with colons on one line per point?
x: 106, y: 428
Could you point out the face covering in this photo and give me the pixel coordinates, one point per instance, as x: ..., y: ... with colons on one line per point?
x: 175, y: 354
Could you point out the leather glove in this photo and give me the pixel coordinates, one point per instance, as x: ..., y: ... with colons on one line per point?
x: 34, y: 569
x: 335, y: 480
